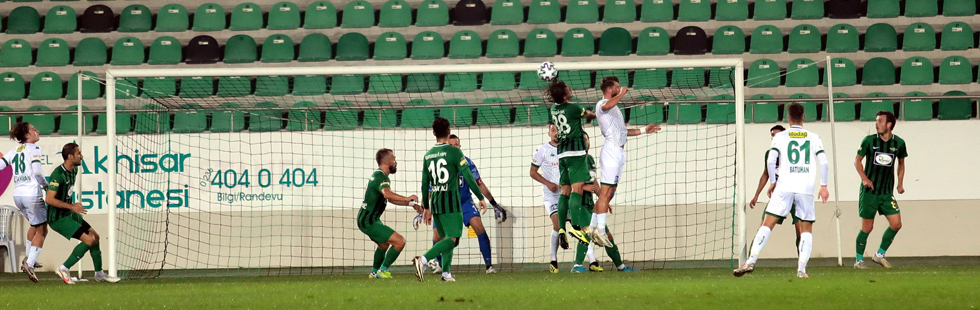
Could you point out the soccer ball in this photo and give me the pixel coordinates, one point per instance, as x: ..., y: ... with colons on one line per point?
x: 547, y: 71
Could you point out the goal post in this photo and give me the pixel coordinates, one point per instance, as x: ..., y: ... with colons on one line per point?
x: 720, y: 140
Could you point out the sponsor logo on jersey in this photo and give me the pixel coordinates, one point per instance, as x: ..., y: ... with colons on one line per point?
x: 884, y: 159
x: 21, y: 147
x: 797, y: 134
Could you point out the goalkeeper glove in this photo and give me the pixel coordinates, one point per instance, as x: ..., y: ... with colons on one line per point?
x: 417, y: 222
x: 499, y: 212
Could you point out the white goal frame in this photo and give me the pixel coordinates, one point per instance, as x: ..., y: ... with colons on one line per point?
x: 736, y: 63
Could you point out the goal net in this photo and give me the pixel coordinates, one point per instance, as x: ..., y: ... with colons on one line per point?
x: 262, y: 171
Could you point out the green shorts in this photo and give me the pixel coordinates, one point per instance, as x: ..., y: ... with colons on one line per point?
x: 377, y: 232
x: 792, y: 213
x: 573, y: 170
x: 870, y: 204
x: 72, y: 226
x: 449, y: 225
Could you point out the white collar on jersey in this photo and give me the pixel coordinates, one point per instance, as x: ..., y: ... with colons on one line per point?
x: 796, y: 126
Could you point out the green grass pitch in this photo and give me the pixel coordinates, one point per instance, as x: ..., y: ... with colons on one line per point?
x: 767, y: 288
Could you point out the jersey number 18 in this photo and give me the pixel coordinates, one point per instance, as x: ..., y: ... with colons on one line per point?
x: 19, y: 164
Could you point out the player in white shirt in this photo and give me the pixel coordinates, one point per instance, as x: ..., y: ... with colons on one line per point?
x: 29, y: 184
x: 612, y: 158
x: 544, y: 170
x: 796, y: 152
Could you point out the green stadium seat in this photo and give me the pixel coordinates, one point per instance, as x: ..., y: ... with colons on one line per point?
x: 917, y: 71
x: 615, y: 41
x: 955, y: 70
x: 459, y: 116
x: 418, y: 117
x: 646, y: 114
x: 720, y: 77
x: 650, y: 79
x: 917, y: 109
x: 53, y: 52
x: 878, y: 71
x: 577, y: 79
x: 844, y: 71
x: 127, y: 51
x: 770, y: 10
x: 91, y: 88
x: 529, y: 80
x: 11, y: 87
x: 245, y: 17
x: 809, y: 108
x: 802, y: 73
x: 732, y: 10
x: 881, y: 37
x: 728, y: 40
x: 764, y: 112
x: 766, y: 39
x: 385, y: 83
x: 340, y: 120
x: 764, y: 73
x: 272, y: 85
x: 870, y: 107
x: 684, y: 113
x: 955, y: 109
x: 959, y: 7
x: 460, y: 82
x: 190, y: 118
x: 540, y: 43
x: 357, y: 14
x: 165, y: 51
x: 234, y: 86
x: 883, y: 8
x: 231, y: 119
x: 507, y: 12
x: 315, y: 47
x: 267, y: 119
x: 653, y: 11
x: 69, y: 122
x: 687, y: 78
x: 804, y: 38
x: 622, y: 74
x: 23, y: 20
x: 428, y: 45
x: 807, y: 9
x: 957, y: 36
x: 135, y: 18
x: 432, y: 13
x: 90, y: 52
x: 196, y: 87
x: 320, y: 15
x: 466, y: 44
x: 720, y: 113
x: 844, y: 110
x: 278, y: 48
x: 16, y: 53
x: 621, y: 11
x: 503, y: 43
x: 921, y: 8
x: 347, y: 84
x: 352, y: 46
x: 498, y: 81
x: 843, y: 38
x: 6, y: 120
x: 395, y: 13
x: 283, y: 15
x: 582, y: 12
x: 46, y: 86
x: 494, y: 115
x: 653, y: 41
x: 159, y: 87
x: 422, y: 83
x: 127, y: 88
x: 380, y: 118
x: 694, y: 11
x: 44, y: 123
x: 309, y: 85
x: 151, y: 122
x: 60, y: 19
x: 531, y: 115
x: 123, y: 122
x: 390, y: 46
x: 544, y: 12
x: 578, y: 42
x: 209, y: 17
x: 919, y: 37
x: 172, y: 18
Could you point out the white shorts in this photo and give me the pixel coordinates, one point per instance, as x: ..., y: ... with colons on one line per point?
x: 781, y: 203
x: 550, y: 204
x: 33, y: 209
x: 612, y: 159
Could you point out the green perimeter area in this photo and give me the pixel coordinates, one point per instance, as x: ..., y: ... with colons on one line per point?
x: 932, y: 287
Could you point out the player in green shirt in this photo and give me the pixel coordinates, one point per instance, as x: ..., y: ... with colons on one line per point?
x: 65, y: 216
x: 441, y: 170
x: 376, y: 198
x: 573, y: 166
x: 883, y: 151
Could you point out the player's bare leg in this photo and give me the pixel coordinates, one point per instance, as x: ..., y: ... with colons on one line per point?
x: 758, y: 243
x: 894, y: 225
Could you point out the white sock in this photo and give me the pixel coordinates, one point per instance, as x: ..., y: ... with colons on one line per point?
x: 594, y: 222
x: 447, y: 275
x: 100, y: 273
x: 28, y: 244
x: 879, y: 255
x: 590, y: 254
x: 576, y: 265
x: 63, y: 267
x: 601, y: 223
x: 758, y: 243
x: 806, y: 246
x: 554, y: 245
x: 621, y: 267
x: 424, y: 261
x: 32, y: 255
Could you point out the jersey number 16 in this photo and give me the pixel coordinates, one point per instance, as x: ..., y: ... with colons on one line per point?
x: 438, y: 170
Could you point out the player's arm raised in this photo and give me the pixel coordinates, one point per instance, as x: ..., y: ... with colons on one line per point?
x: 612, y: 102
x: 54, y: 202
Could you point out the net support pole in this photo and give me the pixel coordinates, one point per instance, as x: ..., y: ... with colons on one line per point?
x: 78, y: 140
x: 740, y: 181
x: 833, y: 143
x: 110, y: 83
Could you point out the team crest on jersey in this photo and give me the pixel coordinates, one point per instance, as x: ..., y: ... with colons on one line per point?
x: 21, y: 147
x: 884, y: 159
x: 797, y: 135
x: 462, y: 162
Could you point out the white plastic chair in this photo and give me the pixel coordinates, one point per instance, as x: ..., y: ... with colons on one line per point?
x: 7, y: 214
